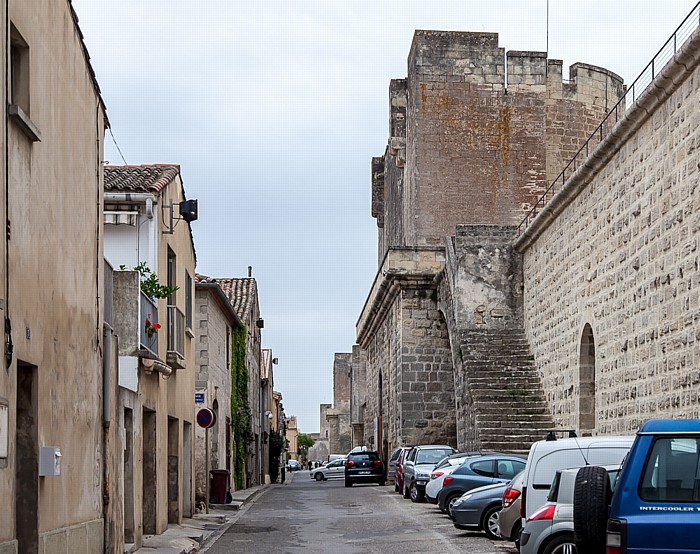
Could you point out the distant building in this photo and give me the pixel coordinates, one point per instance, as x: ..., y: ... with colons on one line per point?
x: 215, y: 320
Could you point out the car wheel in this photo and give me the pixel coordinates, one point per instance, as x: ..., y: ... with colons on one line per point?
x: 318, y: 476
x: 406, y: 492
x: 416, y: 495
x: 348, y: 483
x: 381, y: 483
x: 489, y: 523
x: 562, y: 544
x: 449, y: 502
x: 592, y: 495
x: 517, y: 532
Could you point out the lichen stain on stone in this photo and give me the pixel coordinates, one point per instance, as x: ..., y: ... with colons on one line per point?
x: 503, y: 129
x: 423, y: 96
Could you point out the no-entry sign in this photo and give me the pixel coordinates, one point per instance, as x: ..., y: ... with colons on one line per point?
x: 206, y: 418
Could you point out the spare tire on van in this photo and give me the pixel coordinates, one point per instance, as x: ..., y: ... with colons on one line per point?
x: 592, y: 495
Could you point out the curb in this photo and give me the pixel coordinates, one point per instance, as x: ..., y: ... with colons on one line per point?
x: 209, y: 541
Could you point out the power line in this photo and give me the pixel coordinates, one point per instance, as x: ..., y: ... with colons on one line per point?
x: 118, y: 149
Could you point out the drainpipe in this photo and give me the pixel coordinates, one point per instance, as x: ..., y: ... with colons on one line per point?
x: 132, y: 198
x: 107, y: 377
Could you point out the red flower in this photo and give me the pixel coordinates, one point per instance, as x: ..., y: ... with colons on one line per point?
x: 156, y: 326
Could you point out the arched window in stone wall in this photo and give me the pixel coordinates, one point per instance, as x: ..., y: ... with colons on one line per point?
x: 586, y: 383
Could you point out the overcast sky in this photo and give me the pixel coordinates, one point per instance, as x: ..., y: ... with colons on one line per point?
x: 274, y: 110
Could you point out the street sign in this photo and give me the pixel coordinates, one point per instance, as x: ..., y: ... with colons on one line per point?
x: 199, y: 397
x: 206, y: 418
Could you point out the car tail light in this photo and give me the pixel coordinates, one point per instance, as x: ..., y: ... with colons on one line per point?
x: 616, y: 537
x: 510, y: 496
x: 436, y: 474
x: 378, y: 463
x: 447, y: 481
x: 523, y: 503
x: 545, y: 512
x: 350, y: 463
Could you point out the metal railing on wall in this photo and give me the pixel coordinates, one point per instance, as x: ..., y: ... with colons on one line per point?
x: 149, y: 310
x: 176, y: 331
x: 633, y: 92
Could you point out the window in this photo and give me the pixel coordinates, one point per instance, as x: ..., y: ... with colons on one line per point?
x: 507, y: 469
x: 432, y: 456
x: 672, y: 471
x: 188, y: 300
x: 19, y: 71
x: 484, y: 468
x: 18, y: 110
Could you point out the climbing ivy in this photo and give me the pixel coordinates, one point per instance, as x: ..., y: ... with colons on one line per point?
x: 240, y: 410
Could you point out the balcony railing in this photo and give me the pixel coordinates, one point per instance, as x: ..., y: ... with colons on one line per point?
x: 626, y: 101
x: 148, y: 310
x: 176, y: 332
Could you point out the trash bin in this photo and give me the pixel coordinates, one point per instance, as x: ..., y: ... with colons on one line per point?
x: 219, y: 485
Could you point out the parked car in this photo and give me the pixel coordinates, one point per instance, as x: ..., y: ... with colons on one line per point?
x: 477, y: 472
x: 398, y: 471
x: 550, y: 529
x: 332, y: 470
x: 293, y: 465
x: 364, y: 467
x: 509, y: 520
x: 656, y: 500
x: 548, y: 456
x: 477, y: 510
x: 417, y: 468
x: 391, y: 466
x: 442, y: 470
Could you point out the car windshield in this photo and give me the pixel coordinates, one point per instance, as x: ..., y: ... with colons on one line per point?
x: 432, y: 456
x: 365, y: 456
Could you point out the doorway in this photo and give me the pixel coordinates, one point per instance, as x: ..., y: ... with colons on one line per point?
x: 150, y: 490
x: 27, y: 460
x: 186, y: 469
x: 586, y: 399
x: 129, y: 526
x: 173, y: 471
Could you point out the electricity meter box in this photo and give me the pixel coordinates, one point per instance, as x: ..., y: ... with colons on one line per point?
x: 49, y: 461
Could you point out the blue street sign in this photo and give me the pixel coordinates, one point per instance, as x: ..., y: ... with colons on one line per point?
x: 199, y: 397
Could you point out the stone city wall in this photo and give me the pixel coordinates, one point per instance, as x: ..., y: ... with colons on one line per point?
x: 618, y: 250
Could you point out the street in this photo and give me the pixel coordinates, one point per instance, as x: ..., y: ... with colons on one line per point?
x: 319, y: 517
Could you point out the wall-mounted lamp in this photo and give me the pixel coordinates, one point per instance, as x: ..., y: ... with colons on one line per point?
x: 275, y: 361
x: 269, y: 415
x: 260, y: 323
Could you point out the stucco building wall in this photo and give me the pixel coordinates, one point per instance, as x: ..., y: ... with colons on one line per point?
x: 55, y: 275
x: 620, y: 255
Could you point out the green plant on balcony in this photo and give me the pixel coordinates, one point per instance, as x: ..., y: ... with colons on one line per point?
x: 150, y: 285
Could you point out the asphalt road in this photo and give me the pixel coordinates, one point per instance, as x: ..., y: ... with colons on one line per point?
x: 311, y: 517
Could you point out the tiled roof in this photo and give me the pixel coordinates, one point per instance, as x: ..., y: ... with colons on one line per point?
x: 139, y: 178
x: 241, y: 292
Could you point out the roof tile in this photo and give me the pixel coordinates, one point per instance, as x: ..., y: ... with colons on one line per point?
x: 139, y: 178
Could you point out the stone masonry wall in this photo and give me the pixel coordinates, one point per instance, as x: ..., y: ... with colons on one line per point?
x: 213, y: 377
x: 427, y: 384
x: 623, y: 257
x: 341, y: 400
x: 467, y: 147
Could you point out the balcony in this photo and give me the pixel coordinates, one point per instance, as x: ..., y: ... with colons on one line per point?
x: 131, y: 308
x: 148, y: 312
x: 176, y: 338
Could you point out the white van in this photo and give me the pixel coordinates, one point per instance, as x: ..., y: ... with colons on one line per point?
x: 547, y: 457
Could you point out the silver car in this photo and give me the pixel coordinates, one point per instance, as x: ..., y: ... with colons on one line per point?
x: 417, y: 467
x: 550, y: 530
x: 334, y: 470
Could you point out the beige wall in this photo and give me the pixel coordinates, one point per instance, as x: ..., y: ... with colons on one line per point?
x: 621, y: 255
x: 54, y: 279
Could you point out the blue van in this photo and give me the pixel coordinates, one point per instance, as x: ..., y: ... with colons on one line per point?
x: 656, y: 504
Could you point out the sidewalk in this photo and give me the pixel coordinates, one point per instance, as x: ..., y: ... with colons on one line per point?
x: 197, y: 533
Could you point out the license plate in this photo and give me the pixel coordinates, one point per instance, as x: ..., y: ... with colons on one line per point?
x: 365, y: 472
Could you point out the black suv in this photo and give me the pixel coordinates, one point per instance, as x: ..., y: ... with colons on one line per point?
x: 364, y: 467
